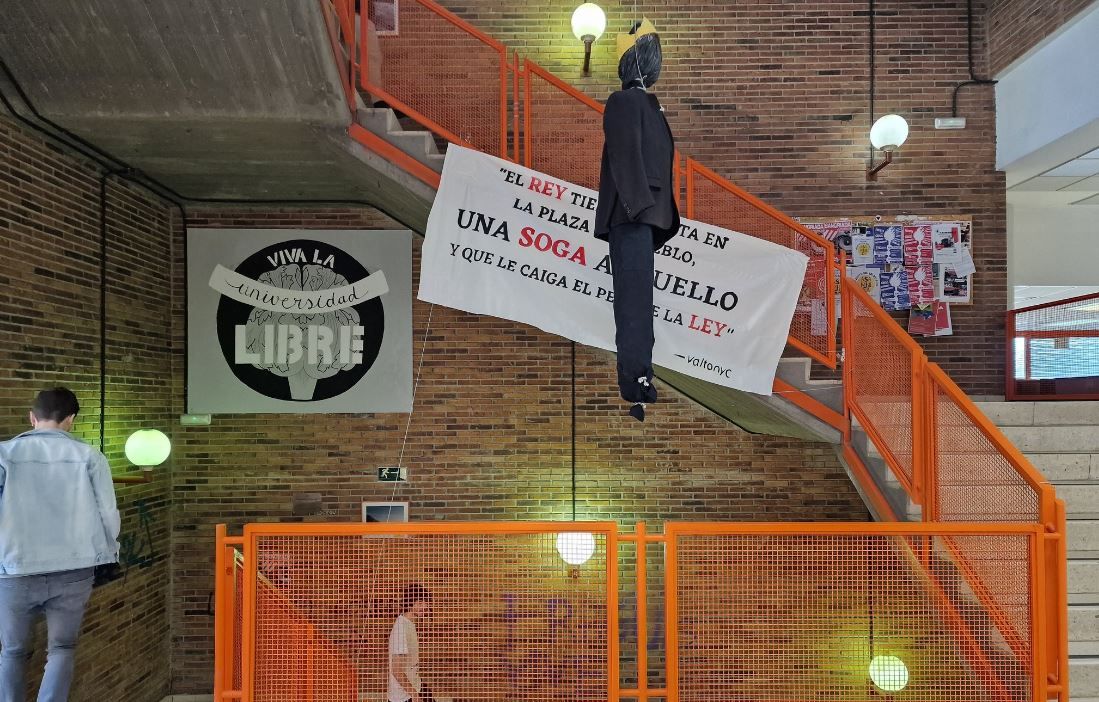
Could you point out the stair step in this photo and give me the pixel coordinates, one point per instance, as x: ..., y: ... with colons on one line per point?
x: 1081, y: 500
x: 1083, y: 676
x: 1054, y: 439
x: 1083, y: 536
x: 1083, y: 623
x: 1042, y: 414
x: 418, y: 144
x: 1059, y: 467
x: 1083, y: 580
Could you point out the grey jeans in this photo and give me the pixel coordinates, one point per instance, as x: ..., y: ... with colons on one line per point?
x: 61, y: 597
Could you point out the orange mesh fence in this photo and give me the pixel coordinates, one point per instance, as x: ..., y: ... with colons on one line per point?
x: 849, y: 615
x: 509, y: 619
x: 439, y: 70
x: 563, y: 134
x: 880, y: 366
x: 712, y: 199
x: 979, y: 475
x: 1053, y: 350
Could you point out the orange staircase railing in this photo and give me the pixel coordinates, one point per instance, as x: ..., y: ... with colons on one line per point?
x: 795, y: 611
x: 951, y: 460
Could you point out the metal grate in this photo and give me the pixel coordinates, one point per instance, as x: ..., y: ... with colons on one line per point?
x: 827, y: 617
x: 1053, y: 350
x: 711, y: 199
x: 452, y: 76
x: 879, y: 365
x: 562, y: 125
x: 509, y: 618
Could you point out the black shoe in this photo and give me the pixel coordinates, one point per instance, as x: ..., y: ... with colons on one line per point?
x: 638, y: 411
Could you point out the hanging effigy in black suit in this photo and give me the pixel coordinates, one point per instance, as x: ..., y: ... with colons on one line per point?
x: 637, y: 213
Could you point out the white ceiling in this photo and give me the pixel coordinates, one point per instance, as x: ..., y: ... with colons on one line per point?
x: 1074, y: 182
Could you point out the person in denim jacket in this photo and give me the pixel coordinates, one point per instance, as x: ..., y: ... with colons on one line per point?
x: 58, y: 520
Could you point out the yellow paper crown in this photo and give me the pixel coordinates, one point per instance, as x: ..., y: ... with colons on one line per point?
x: 625, y: 41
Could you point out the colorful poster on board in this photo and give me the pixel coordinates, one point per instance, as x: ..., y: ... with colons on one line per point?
x: 894, y: 290
x: 862, y: 250
x: 918, y: 250
x: 868, y: 278
x: 953, y: 287
x: 888, y: 244
x: 921, y: 284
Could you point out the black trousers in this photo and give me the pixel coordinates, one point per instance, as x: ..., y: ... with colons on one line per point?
x: 632, y: 268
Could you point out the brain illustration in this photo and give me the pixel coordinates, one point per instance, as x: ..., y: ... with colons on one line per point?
x: 304, y: 372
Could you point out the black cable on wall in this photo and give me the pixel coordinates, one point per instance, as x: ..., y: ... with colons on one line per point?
x: 973, y: 79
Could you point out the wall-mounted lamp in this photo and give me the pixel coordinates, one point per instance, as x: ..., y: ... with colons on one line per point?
x: 889, y: 673
x: 145, y: 448
x: 575, y: 547
x: 887, y: 135
x: 588, y: 24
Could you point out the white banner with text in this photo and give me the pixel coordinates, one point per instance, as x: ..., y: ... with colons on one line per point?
x: 510, y: 242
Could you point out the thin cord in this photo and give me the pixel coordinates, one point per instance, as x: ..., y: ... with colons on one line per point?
x: 574, y: 431
x: 973, y: 79
x: 873, y: 60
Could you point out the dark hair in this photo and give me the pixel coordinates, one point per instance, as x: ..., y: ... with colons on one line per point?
x: 55, y: 405
x: 413, y: 593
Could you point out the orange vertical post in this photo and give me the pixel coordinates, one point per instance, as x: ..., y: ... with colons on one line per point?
x: 503, y: 102
x: 1039, y: 646
x: 515, y: 105
x: 248, y: 622
x: 614, y: 683
x: 690, y: 188
x: 222, y: 643
x: 528, y: 98
x: 671, y: 610
x: 642, y: 616
x: 919, y: 429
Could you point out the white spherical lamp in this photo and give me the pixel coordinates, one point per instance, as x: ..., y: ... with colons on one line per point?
x: 575, y: 547
x: 889, y: 673
x: 889, y: 132
x: 588, y: 23
x: 588, y: 20
x: 148, y: 448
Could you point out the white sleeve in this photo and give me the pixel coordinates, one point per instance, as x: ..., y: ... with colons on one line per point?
x: 398, y: 640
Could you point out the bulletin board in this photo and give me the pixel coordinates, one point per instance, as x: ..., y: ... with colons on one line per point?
x: 922, y: 264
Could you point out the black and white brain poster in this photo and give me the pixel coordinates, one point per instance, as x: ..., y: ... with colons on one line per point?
x: 299, y: 321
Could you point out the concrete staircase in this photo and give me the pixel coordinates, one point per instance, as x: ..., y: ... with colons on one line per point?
x: 416, y: 142
x: 1061, y: 439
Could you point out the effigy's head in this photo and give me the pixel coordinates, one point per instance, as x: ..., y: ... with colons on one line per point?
x: 639, y: 56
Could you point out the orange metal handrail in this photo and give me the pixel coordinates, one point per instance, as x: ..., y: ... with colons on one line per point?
x: 827, y: 356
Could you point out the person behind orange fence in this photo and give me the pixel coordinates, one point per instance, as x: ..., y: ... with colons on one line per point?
x: 404, y: 647
x: 58, y: 521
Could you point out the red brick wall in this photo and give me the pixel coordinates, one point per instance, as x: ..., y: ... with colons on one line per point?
x: 49, y: 318
x: 774, y: 96
x: 1017, y: 26
x: 489, y: 439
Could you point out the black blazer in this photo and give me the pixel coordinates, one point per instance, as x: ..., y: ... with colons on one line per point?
x: 635, y: 177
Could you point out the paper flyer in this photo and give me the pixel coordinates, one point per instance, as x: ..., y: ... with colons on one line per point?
x: 953, y: 287
x: 921, y: 284
x: 894, y: 290
x: 947, y: 238
x: 917, y: 245
x: 921, y: 320
x: 888, y: 244
x: 943, y: 324
x: 868, y: 278
x: 862, y: 250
